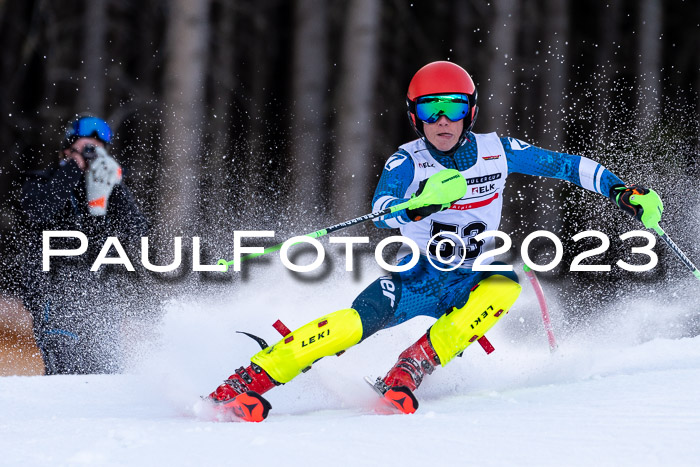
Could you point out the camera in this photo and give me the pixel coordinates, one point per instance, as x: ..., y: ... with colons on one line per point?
x: 89, y: 152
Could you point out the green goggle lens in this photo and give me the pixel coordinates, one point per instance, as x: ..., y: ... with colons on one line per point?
x: 453, y: 106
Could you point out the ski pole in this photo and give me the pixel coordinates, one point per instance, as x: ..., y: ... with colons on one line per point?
x: 444, y: 187
x: 672, y: 245
x: 323, y: 232
x: 543, y: 306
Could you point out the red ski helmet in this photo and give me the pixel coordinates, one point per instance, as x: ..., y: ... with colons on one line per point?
x: 442, y: 78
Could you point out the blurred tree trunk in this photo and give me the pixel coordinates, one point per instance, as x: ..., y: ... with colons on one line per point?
x: 495, y: 94
x: 553, y: 88
x: 464, y: 53
x: 694, y: 156
x: 602, y: 87
x: 186, y: 42
x: 58, y: 52
x: 144, y: 114
x: 650, y: 63
x: 257, y: 195
x: 309, y: 95
x: 216, y: 208
x: 93, y: 58
x: 555, y: 75
x: 354, y: 163
x: 497, y: 100
x: 19, y: 37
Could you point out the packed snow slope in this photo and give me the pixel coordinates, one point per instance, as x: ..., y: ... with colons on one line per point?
x: 620, y: 390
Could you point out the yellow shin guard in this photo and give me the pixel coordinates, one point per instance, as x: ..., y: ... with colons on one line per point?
x: 457, y: 329
x: 320, y: 338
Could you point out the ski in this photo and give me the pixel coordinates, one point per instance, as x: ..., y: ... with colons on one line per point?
x: 249, y: 406
x: 397, y: 399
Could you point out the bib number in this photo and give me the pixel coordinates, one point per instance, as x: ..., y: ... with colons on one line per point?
x: 471, y: 248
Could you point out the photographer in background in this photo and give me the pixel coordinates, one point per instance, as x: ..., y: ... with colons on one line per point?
x: 78, y: 314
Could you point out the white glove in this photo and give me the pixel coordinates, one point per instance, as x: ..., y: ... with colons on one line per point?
x: 102, y: 174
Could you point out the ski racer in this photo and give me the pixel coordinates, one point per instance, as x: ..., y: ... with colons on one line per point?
x: 442, y: 109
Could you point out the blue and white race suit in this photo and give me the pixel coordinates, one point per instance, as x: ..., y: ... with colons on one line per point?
x: 485, y: 160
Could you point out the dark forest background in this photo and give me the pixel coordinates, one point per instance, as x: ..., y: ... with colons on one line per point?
x: 279, y: 114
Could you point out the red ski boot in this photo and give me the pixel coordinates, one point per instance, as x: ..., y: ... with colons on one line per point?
x: 241, y: 393
x: 406, y: 375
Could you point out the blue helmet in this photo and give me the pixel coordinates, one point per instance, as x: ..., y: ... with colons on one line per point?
x: 87, y: 127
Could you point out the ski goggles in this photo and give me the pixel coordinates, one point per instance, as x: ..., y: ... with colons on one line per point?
x: 453, y: 106
x: 89, y: 127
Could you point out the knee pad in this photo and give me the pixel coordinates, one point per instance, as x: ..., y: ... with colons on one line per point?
x: 454, y: 331
x: 320, y: 338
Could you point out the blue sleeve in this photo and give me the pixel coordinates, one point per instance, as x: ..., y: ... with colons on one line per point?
x: 527, y: 159
x: 396, y: 178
